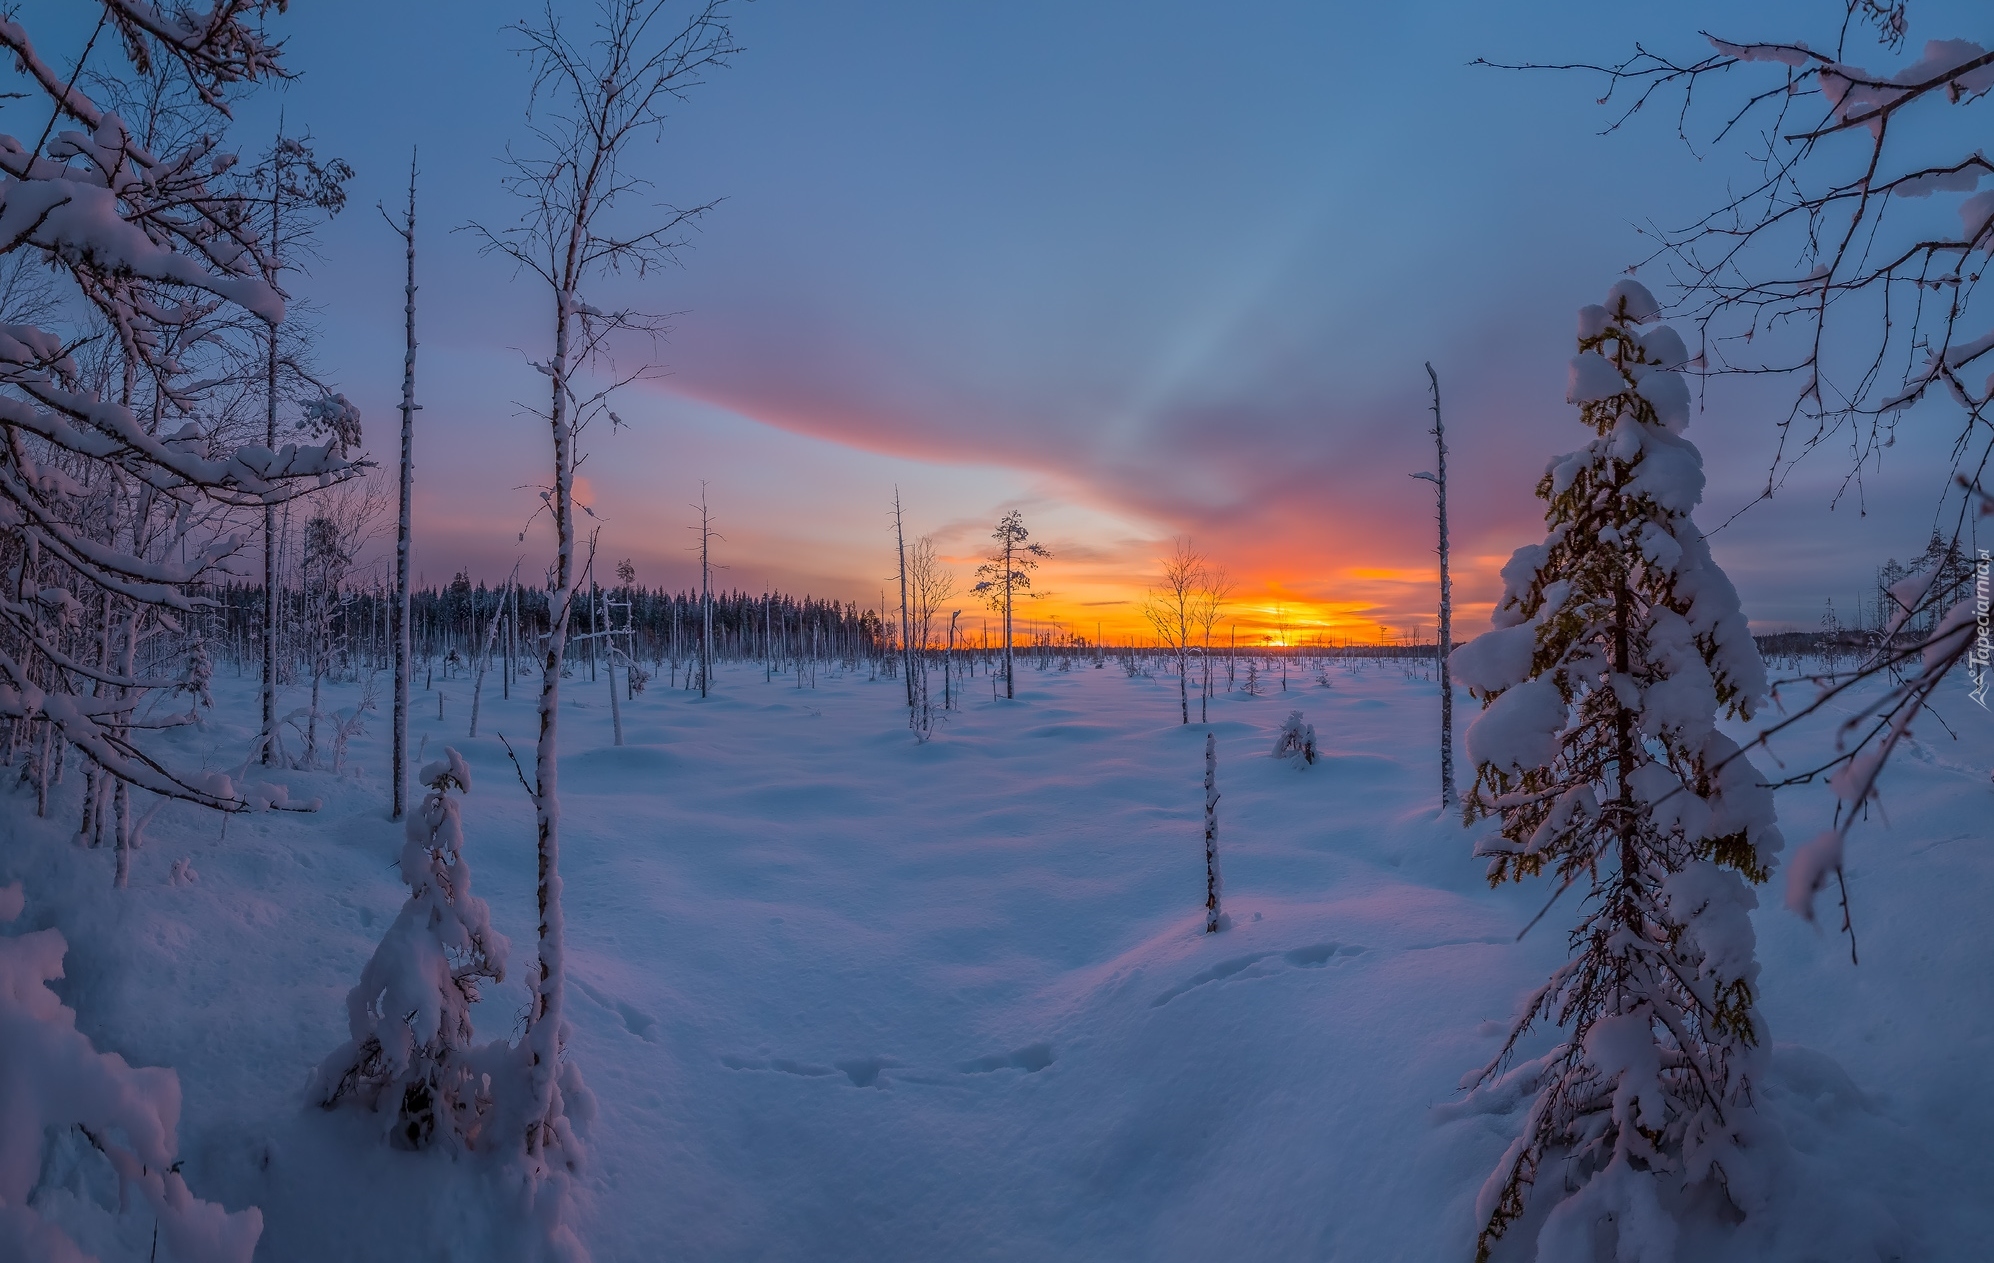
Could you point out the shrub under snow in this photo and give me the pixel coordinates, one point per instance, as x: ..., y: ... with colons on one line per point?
x: 1297, y: 741
x: 51, y: 1077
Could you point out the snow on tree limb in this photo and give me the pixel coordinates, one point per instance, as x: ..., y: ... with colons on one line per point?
x: 111, y: 503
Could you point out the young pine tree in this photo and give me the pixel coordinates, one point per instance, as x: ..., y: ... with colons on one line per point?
x: 410, y: 1016
x: 1007, y: 573
x: 1618, y: 641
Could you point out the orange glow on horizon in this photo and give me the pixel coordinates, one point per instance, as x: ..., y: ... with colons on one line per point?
x: 1386, y: 606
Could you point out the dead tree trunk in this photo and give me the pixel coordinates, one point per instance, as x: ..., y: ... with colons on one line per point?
x: 906, y: 640
x: 269, y: 689
x: 1446, y: 639
x: 1214, y: 883
x: 404, y: 663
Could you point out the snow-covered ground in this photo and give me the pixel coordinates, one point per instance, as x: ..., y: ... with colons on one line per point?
x: 843, y: 996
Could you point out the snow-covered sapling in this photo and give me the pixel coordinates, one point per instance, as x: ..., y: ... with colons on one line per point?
x: 410, y: 1017
x: 1617, y: 642
x: 195, y: 679
x: 1296, y: 741
x: 1214, y: 881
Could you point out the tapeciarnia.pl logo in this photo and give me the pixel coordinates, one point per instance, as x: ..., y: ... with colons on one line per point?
x: 1983, y: 641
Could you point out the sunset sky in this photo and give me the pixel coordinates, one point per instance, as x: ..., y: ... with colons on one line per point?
x: 1140, y: 269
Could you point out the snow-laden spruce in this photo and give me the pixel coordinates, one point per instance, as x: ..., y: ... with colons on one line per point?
x: 1617, y: 642
x: 53, y: 1079
x: 1296, y: 741
x: 410, y: 1017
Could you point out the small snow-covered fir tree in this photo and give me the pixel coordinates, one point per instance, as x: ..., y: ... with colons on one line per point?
x: 1296, y: 741
x: 410, y: 1016
x: 1617, y: 643
x: 195, y: 680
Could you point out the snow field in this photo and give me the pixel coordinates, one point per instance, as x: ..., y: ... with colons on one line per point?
x: 844, y: 996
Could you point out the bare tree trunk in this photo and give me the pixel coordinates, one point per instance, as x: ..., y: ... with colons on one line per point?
x: 1214, y: 883
x: 311, y: 717
x: 1009, y: 691
x: 485, y: 655
x: 609, y: 669
x: 1446, y: 639
x: 121, y: 797
x: 269, y: 687
x: 906, y: 640
x: 404, y: 664
x: 705, y: 595
x: 948, y: 665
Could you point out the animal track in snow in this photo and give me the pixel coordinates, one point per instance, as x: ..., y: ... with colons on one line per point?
x: 782, y: 1065
x: 864, y: 1071
x: 1031, y: 1059
x: 635, y: 1020
x: 870, y: 1072
x: 1314, y: 956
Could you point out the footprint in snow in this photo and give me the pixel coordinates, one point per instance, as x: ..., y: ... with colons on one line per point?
x: 863, y: 1071
x: 1255, y: 965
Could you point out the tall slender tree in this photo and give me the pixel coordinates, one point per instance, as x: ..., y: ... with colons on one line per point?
x: 1214, y: 590
x: 1446, y: 645
x: 593, y: 97
x: 706, y: 537
x: 404, y: 522
x: 1172, y: 608
x: 906, y: 628
x: 294, y: 184
x: 929, y: 584
x: 1006, y: 574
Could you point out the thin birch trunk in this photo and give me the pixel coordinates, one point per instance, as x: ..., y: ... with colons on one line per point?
x: 543, y: 1029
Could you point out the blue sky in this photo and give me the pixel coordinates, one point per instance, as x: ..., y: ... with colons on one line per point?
x: 1142, y: 269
